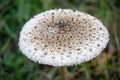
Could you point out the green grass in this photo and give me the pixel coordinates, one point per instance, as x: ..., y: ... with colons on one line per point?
x: 15, y: 66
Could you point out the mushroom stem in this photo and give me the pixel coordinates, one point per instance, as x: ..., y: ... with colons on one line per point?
x: 63, y: 73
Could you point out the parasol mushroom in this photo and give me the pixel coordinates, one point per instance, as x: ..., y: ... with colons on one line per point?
x: 63, y: 37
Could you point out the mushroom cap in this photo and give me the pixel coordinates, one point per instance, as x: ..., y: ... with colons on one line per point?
x: 63, y: 37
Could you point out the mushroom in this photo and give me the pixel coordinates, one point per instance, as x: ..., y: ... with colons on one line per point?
x: 63, y: 37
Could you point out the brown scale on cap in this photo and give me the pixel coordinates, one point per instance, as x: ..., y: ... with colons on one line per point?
x: 62, y: 33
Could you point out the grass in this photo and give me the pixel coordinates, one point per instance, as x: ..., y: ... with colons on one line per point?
x: 15, y: 66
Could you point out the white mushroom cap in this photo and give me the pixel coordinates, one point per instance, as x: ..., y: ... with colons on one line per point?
x: 63, y: 37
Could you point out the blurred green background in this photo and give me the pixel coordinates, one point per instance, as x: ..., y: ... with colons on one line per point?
x: 15, y: 66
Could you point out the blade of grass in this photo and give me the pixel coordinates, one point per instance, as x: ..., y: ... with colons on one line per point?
x: 88, y: 71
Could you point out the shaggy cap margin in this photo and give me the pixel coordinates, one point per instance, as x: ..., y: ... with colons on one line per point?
x: 63, y: 37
